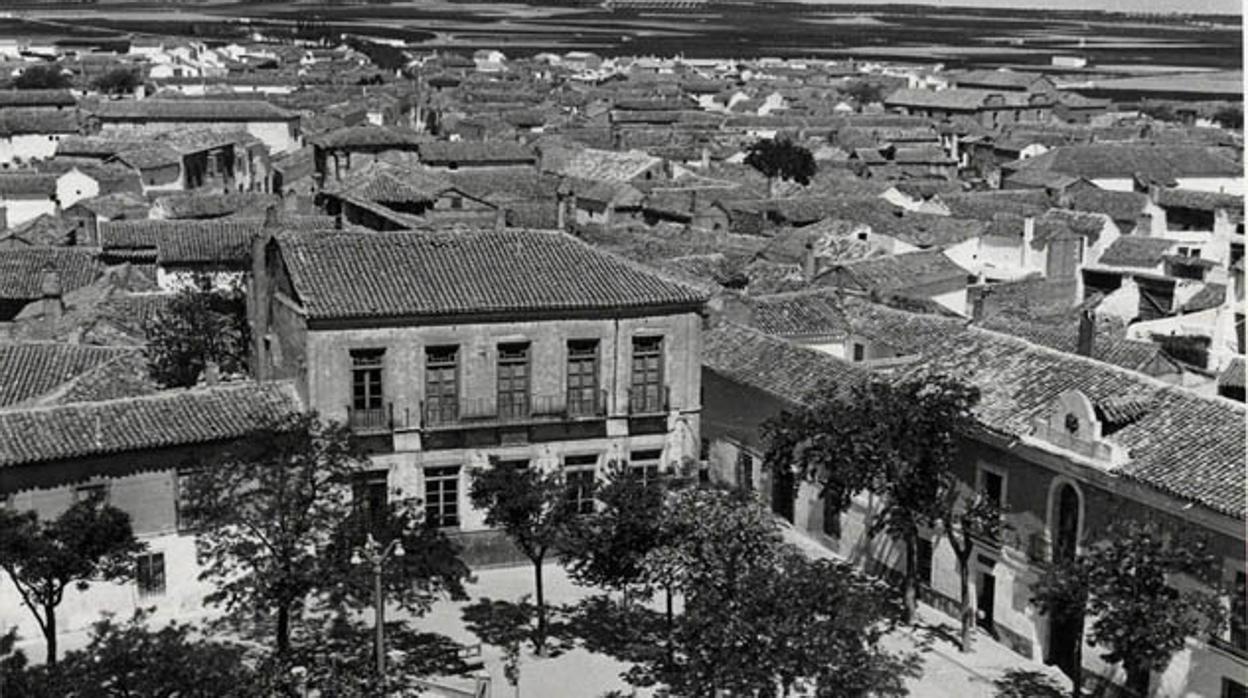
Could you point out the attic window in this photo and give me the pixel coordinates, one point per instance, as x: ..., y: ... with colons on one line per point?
x: 1072, y: 424
x: 862, y: 236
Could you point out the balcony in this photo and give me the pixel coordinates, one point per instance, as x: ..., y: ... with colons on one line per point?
x: 649, y: 401
x: 376, y: 420
x: 517, y: 410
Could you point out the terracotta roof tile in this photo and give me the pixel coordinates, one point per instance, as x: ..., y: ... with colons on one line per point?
x: 192, y: 110
x: 467, y: 271
x: 1134, y: 251
x: 770, y: 364
x: 30, y: 370
x: 22, y: 269
x: 164, y: 419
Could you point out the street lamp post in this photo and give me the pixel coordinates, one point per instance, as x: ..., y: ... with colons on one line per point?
x: 376, y: 556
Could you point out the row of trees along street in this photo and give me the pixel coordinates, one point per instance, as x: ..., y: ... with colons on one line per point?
x: 697, y: 591
x: 898, y: 439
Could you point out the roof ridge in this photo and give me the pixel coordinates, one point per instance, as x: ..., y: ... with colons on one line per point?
x: 283, y: 386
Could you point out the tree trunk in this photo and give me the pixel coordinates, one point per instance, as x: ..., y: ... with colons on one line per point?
x: 671, y: 619
x: 1076, y: 681
x: 908, y: 591
x: 1138, y: 677
x: 283, y: 630
x: 540, y: 640
x: 967, y: 609
x: 49, y: 632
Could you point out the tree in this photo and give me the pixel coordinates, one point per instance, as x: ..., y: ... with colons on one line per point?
x: 780, y: 157
x: 90, y: 541
x: 864, y: 92
x: 757, y: 614
x: 1230, y: 117
x: 1125, y: 583
x: 965, y: 519
x: 201, y: 325
x: 607, y: 548
x: 533, y: 509
x: 897, y: 439
x: 42, y: 77
x: 118, y: 81
x: 130, y: 659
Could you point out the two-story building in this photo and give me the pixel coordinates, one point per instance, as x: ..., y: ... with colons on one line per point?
x: 448, y: 349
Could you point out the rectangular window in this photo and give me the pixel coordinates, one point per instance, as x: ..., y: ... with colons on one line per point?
x: 1239, y: 612
x: 646, y: 395
x: 442, y: 496
x: 859, y: 352
x: 150, y: 575
x: 992, y: 485
x: 645, y: 463
x: 90, y: 491
x: 441, y: 384
x: 1233, y: 689
x: 583, y: 377
x: 182, y: 482
x: 923, y: 561
x: 745, y: 470
x: 513, y: 380
x: 366, y: 367
x: 580, y: 474
x: 370, y: 495
x: 831, y: 518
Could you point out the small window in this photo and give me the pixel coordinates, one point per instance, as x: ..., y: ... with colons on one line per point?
x: 831, y: 518
x: 992, y: 484
x: 370, y: 495
x: 745, y: 470
x: 860, y: 352
x: 579, y: 476
x: 645, y: 463
x: 183, y: 479
x: 457, y: 202
x: 150, y: 575
x: 1239, y: 613
x: 442, y: 496
x: 1233, y: 689
x: 91, y: 491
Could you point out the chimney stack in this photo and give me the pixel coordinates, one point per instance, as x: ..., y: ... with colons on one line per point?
x: 1029, y: 236
x: 50, y: 290
x: 809, y: 266
x: 272, y: 217
x: 979, y: 303
x: 1087, y: 332
x: 212, y: 373
x: 1144, y: 224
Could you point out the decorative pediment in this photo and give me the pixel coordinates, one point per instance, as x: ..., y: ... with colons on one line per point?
x: 1074, y: 424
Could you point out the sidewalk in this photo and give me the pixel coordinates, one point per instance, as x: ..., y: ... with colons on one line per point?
x: 947, y: 672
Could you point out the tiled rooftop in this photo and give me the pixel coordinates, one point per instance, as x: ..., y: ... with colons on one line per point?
x: 465, y: 272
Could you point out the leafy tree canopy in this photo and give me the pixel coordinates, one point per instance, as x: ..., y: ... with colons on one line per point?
x: 201, y: 325
x: 781, y: 158
x: 90, y: 541
x: 118, y: 81
x: 42, y: 77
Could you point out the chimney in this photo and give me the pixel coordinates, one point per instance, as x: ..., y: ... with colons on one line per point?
x: 809, y: 265
x: 1143, y: 224
x: 212, y: 373
x: 272, y: 217
x: 706, y: 158
x: 1029, y: 236
x: 50, y: 290
x: 1087, y: 332
x: 978, y: 304
x: 500, y: 218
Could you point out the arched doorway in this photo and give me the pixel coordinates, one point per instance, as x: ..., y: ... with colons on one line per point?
x: 1065, y: 636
